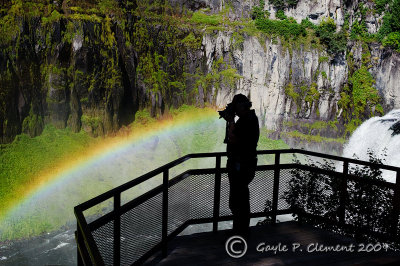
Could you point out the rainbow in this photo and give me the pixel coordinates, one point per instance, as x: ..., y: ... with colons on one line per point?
x: 106, y: 148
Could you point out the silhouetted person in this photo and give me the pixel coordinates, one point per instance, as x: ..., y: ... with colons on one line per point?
x: 242, y: 138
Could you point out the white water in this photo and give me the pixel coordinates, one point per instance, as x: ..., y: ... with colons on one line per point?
x: 375, y: 134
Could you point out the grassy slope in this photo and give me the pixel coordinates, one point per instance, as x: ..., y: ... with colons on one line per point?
x: 25, y: 160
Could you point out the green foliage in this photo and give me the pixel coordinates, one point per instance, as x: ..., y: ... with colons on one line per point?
x: 221, y: 74
x: 335, y: 42
x: 360, y: 100
x: 364, y: 93
x: 281, y: 14
x: 380, y: 5
x: 312, y: 138
x: 55, y: 16
x: 143, y: 117
x: 389, y: 32
x: 201, y: 18
x: 372, y: 204
x: 367, y: 206
x: 287, y: 28
x: 323, y: 59
x: 395, y: 17
x: 358, y: 29
x: 392, y: 40
x: 306, y: 23
x: 315, y: 128
x: 152, y: 71
x: 238, y: 40
x: 26, y: 157
x: 105, y: 6
x: 191, y: 41
x: 9, y: 24
x: 32, y: 124
x: 258, y: 11
x: 289, y: 91
x: 92, y: 121
x: 306, y: 189
x: 310, y: 95
x: 351, y: 126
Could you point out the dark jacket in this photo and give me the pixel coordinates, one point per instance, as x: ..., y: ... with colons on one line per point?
x: 246, y: 132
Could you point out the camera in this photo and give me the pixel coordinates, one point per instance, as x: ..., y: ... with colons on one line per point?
x: 228, y: 112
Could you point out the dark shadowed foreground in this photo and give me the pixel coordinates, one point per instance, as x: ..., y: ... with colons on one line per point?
x: 310, y: 248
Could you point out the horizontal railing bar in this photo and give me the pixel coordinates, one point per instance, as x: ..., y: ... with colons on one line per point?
x: 332, y: 157
x: 153, y: 192
x: 102, y: 197
x: 230, y: 217
x: 371, y: 181
x: 86, y: 229
x: 205, y: 155
x: 134, y: 203
x: 350, y: 176
x: 105, y: 196
x: 96, y: 224
x: 139, y: 200
x: 86, y: 205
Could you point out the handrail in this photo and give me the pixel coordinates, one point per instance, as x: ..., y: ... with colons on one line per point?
x: 84, y: 229
x: 109, y: 194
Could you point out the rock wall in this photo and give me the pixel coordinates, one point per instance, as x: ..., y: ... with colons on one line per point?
x: 91, y: 73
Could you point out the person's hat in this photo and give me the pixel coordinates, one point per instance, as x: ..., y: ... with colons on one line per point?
x: 242, y: 99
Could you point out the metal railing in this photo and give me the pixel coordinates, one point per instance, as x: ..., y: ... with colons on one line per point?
x: 132, y: 232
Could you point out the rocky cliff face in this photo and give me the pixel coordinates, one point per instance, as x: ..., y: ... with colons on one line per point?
x: 271, y: 68
x: 89, y: 69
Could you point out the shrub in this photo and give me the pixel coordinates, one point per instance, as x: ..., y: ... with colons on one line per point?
x: 281, y: 14
x: 306, y: 23
x: 368, y: 206
x: 335, y: 42
x: 393, y: 40
x: 364, y: 93
x: 285, y: 28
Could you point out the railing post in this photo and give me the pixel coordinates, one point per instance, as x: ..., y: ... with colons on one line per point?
x: 396, y: 206
x: 165, y: 213
x: 343, y: 193
x: 117, y: 229
x: 79, y: 243
x: 276, y: 187
x: 217, y: 193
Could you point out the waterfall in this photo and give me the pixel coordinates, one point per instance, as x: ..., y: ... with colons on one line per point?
x: 381, y: 135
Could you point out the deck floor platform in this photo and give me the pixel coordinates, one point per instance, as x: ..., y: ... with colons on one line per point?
x: 209, y: 248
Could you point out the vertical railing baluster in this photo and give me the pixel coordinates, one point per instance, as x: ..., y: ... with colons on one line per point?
x: 276, y: 187
x: 165, y: 213
x: 117, y: 229
x: 217, y: 193
x: 79, y: 245
x: 396, y: 207
x: 343, y: 193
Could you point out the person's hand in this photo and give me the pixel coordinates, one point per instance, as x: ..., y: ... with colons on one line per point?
x: 230, y: 118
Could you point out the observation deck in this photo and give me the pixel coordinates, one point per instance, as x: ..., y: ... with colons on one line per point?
x: 335, y: 209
